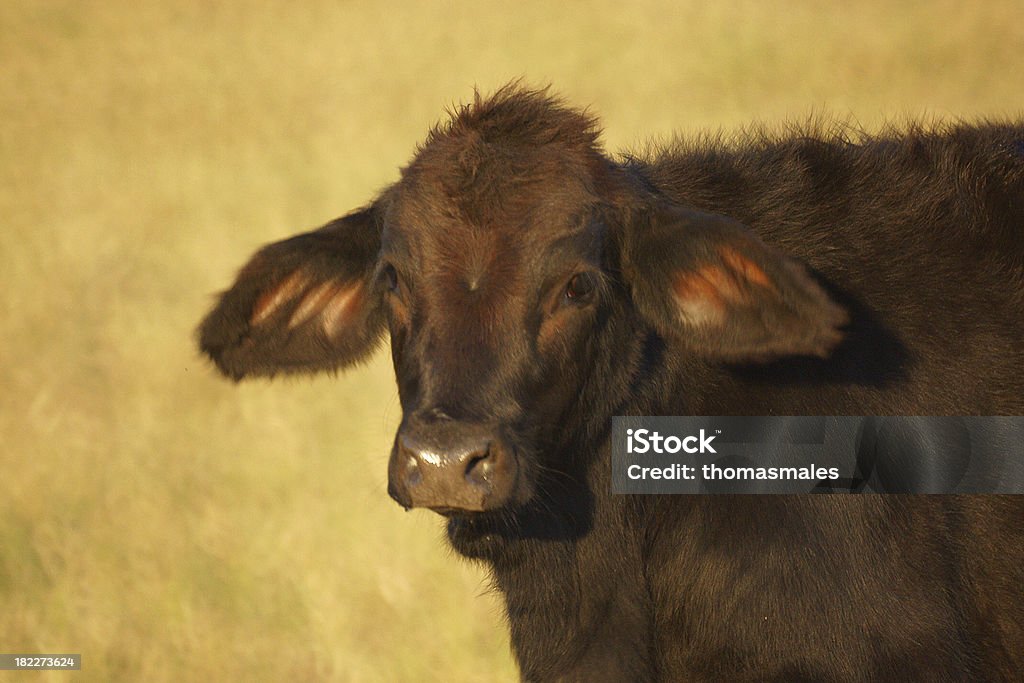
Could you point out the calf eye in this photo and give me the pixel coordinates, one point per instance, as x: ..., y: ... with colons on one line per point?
x: 580, y: 286
x: 391, y: 277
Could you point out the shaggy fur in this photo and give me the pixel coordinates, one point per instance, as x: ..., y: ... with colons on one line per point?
x: 533, y: 287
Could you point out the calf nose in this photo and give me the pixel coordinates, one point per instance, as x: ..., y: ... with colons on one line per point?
x: 446, y: 468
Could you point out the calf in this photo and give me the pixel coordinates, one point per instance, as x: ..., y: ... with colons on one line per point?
x: 532, y: 287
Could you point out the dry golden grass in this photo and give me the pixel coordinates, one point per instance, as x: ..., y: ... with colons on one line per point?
x: 172, y: 527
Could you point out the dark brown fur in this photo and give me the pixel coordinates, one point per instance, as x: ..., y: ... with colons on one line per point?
x: 533, y: 287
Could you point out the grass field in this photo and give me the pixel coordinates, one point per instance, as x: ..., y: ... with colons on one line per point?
x: 172, y: 527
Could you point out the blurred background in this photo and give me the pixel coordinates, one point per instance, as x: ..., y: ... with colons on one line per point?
x: 171, y: 526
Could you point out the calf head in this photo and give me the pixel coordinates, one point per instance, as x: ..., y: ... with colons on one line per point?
x: 509, y: 256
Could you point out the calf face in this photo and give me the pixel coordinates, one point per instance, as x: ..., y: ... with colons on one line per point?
x: 510, y: 253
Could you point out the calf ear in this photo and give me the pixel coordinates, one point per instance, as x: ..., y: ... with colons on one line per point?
x: 303, y: 304
x: 711, y: 283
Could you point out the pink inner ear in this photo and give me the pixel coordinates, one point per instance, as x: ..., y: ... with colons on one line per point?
x: 330, y: 302
x: 745, y: 269
x: 272, y: 300
x: 339, y: 308
x: 313, y: 302
x: 703, y: 294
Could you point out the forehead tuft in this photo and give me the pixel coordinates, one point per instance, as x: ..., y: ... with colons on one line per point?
x: 516, y: 158
x: 518, y: 116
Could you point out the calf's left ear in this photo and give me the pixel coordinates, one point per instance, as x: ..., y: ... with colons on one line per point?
x: 709, y: 282
x: 303, y: 304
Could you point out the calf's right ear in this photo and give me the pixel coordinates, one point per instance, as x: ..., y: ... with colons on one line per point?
x: 304, y: 304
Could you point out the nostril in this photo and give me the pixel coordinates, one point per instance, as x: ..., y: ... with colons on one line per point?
x: 433, y: 415
x: 413, y: 474
x: 480, y: 466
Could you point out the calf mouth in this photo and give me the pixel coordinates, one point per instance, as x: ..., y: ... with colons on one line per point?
x: 486, y: 535
x: 480, y: 535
